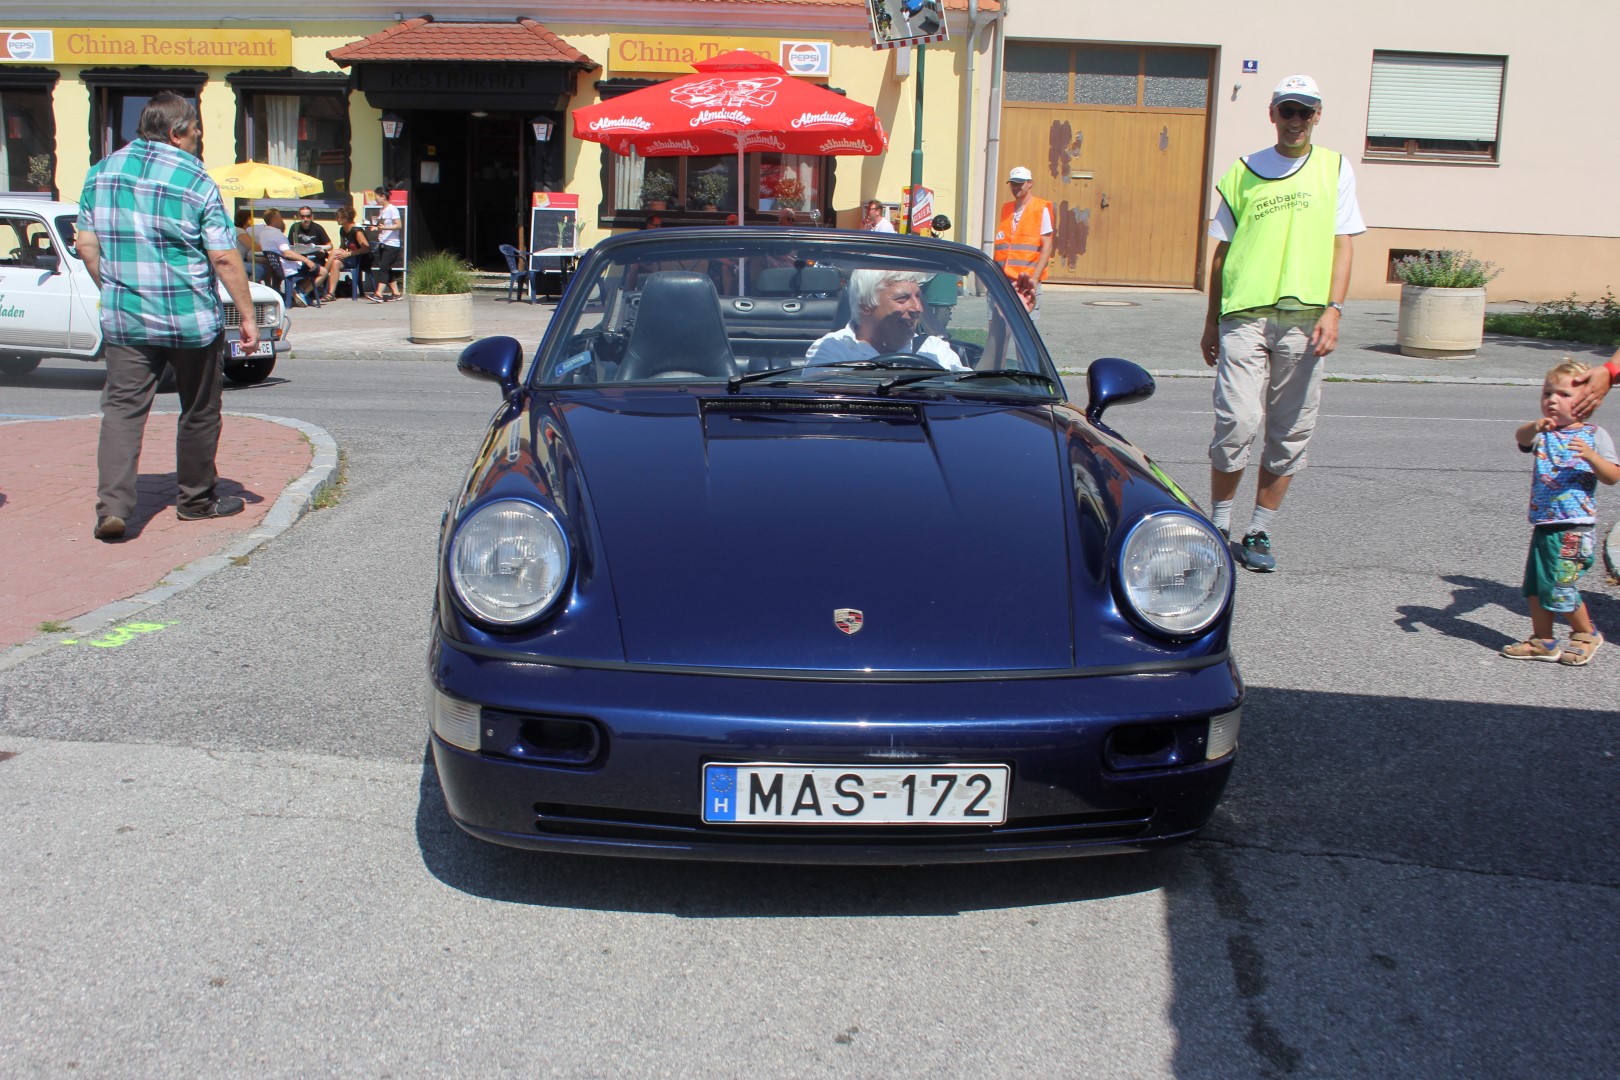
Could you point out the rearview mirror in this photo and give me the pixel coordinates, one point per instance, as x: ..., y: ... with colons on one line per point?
x: 493, y: 358
x: 1112, y: 381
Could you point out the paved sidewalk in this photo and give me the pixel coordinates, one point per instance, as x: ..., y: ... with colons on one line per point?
x: 53, y: 571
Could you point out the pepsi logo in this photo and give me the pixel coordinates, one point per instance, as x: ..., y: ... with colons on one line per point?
x: 20, y: 46
x: 804, y: 58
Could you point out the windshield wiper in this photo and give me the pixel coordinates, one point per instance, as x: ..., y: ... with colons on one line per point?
x: 735, y: 382
x: 1008, y: 373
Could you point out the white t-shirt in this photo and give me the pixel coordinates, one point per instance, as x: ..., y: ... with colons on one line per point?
x: 883, y: 225
x: 388, y: 225
x: 841, y: 345
x: 1271, y: 165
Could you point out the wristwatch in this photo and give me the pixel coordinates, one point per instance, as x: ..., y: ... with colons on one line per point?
x: 1336, y: 306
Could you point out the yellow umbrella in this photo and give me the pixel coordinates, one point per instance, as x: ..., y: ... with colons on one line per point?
x: 257, y: 180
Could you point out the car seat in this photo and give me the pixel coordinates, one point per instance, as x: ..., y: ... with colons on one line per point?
x: 678, y: 331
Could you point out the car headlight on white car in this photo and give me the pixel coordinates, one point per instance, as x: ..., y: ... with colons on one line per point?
x: 508, y: 561
x: 1176, y: 573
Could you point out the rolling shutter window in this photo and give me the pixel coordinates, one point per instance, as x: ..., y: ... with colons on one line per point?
x: 1427, y: 97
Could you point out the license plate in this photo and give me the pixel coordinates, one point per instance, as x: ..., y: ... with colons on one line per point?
x: 264, y: 348
x: 759, y: 792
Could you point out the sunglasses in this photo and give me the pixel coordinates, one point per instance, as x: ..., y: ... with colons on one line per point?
x: 1288, y: 112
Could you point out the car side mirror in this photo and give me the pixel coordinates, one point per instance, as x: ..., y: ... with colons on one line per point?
x: 48, y: 261
x: 493, y: 358
x: 1112, y: 381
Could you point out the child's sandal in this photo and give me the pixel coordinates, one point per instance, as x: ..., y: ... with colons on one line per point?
x: 1580, y: 649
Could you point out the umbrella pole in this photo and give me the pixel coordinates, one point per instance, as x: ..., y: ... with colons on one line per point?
x: 742, y: 262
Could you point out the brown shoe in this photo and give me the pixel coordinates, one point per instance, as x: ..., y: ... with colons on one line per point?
x: 1532, y: 649
x: 1580, y: 649
x: 110, y: 528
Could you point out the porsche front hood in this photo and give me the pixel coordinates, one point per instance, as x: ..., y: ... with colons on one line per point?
x: 736, y: 528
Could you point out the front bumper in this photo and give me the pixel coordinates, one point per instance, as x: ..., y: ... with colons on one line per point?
x: 638, y: 794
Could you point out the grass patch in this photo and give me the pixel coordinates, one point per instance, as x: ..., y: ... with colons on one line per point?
x: 1591, y: 322
x: 239, y: 560
x: 971, y: 335
x: 51, y: 626
x: 330, y: 495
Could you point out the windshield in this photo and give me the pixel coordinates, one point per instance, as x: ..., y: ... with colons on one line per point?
x: 742, y: 306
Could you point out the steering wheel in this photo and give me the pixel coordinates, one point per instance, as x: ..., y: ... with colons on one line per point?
x: 906, y: 359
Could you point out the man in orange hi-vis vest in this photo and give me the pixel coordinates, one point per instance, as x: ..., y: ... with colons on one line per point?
x: 1025, y: 234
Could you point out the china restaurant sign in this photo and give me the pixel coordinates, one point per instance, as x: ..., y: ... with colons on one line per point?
x: 160, y: 47
x: 676, y: 53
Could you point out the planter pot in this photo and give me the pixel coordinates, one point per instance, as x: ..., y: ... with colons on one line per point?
x: 1445, y: 323
x: 436, y: 319
x: 657, y: 204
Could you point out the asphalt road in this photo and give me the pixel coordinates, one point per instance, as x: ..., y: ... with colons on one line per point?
x: 223, y: 853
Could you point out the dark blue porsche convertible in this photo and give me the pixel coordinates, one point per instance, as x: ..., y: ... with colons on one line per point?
x: 788, y: 546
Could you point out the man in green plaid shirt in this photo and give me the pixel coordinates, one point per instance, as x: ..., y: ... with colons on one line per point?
x: 153, y: 233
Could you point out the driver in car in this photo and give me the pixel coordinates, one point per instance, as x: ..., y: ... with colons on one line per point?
x: 888, y: 309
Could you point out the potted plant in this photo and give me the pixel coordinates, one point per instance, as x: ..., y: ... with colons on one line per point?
x: 790, y: 192
x: 708, y: 189
x: 656, y: 188
x: 439, y: 293
x: 1442, y: 304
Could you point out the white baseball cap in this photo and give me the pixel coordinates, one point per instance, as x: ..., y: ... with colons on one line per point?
x: 1300, y: 88
x: 1019, y: 173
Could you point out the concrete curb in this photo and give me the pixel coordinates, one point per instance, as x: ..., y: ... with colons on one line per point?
x: 295, y: 501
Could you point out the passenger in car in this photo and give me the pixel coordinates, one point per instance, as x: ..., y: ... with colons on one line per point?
x: 887, y: 307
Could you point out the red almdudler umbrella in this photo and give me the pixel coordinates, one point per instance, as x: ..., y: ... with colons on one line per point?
x: 737, y: 101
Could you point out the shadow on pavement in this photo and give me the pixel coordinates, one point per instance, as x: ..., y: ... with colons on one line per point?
x: 1473, y: 594
x: 1404, y: 887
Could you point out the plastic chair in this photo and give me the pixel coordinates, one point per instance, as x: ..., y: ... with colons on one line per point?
x: 516, y: 273
x: 276, y: 277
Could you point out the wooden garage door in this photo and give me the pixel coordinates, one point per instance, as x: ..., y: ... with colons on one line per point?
x: 1117, y: 139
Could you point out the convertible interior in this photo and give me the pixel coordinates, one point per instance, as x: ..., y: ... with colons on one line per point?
x: 693, y: 322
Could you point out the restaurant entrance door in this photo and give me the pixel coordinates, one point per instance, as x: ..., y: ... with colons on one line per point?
x: 469, y: 175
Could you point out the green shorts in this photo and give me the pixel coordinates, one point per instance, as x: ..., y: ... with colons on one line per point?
x: 1559, y: 555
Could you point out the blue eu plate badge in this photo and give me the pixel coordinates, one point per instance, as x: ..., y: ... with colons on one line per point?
x: 720, y: 793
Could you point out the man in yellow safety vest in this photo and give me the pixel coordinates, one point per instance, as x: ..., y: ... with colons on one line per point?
x: 1284, y: 217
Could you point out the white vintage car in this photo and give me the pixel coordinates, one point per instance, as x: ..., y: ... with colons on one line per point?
x: 50, y: 306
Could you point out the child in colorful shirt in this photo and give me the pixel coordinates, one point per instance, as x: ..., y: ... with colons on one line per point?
x: 1571, y: 457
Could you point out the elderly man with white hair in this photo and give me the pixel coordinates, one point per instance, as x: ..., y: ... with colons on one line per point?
x: 887, y: 308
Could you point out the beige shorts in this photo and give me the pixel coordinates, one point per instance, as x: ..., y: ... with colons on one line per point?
x: 1267, y: 373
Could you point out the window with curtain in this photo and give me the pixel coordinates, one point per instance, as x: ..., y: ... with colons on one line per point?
x: 303, y: 129
x: 120, y: 111
x: 1435, y: 106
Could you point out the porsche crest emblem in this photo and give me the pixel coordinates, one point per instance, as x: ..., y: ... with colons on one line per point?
x: 848, y: 619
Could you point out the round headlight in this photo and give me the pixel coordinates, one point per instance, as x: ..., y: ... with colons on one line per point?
x: 1176, y: 573
x: 508, y: 561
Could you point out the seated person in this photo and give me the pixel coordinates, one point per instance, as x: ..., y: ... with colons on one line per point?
x: 353, y: 254
x: 887, y: 310
x: 247, y: 245
x: 273, y: 242
x: 307, y: 231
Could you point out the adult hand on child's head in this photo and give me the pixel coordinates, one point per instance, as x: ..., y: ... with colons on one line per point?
x: 1590, y: 388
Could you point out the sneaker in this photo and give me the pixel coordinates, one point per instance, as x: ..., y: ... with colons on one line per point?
x: 1255, y: 553
x: 110, y: 528
x: 1580, y: 649
x: 224, y: 506
x: 1534, y: 649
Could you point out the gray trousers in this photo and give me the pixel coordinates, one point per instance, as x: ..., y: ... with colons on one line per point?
x: 133, y: 372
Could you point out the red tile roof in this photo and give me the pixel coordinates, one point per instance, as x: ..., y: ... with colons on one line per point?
x: 423, y: 39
